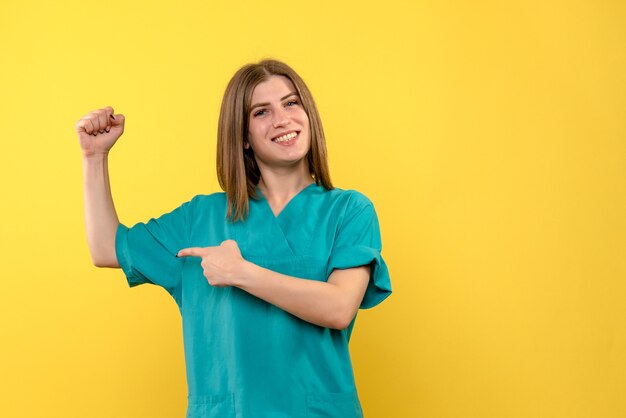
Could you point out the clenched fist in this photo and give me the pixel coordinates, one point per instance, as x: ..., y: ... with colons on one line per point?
x: 99, y: 130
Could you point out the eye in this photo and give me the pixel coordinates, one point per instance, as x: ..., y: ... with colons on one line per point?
x: 260, y: 112
x: 295, y: 102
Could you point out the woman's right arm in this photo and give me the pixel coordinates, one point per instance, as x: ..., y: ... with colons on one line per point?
x: 97, y: 133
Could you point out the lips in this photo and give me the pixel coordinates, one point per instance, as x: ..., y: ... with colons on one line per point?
x: 285, y: 136
x: 287, y: 140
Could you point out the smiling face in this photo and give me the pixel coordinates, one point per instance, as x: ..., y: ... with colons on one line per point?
x: 278, y: 129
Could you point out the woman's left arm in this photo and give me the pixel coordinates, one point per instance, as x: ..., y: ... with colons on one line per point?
x: 331, y: 304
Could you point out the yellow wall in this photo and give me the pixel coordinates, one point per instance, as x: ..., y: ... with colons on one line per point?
x: 490, y: 135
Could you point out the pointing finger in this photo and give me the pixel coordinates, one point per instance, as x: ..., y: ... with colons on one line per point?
x: 193, y: 251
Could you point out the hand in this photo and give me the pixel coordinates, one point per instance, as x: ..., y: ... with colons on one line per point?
x: 223, y: 265
x: 99, y: 130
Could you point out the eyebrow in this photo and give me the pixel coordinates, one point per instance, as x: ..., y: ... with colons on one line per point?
x: 266, y: 104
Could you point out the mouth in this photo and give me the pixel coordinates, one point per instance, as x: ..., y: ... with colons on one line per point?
x: 286, y: 137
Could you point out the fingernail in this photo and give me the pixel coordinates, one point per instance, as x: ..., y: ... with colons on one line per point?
x: 107, y: 129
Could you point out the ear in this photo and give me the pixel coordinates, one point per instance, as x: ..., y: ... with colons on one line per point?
x: 246, y: 145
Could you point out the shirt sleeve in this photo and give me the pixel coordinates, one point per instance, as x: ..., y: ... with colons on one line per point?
x: 146, y: 252
x: 358, y: 243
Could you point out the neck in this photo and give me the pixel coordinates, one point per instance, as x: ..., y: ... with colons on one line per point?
x: 281, y: 185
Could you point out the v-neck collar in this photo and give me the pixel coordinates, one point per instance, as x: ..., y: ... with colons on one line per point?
x: 269, y: 207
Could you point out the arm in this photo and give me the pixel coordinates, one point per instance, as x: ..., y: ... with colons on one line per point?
x: 97, y: 133
x: 331, y: 304
x: 101, y: 220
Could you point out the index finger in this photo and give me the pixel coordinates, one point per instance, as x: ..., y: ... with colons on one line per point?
x: 192, y: 251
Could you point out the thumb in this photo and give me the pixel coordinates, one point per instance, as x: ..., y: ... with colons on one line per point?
x: 229, y: 243
x: 118, y: 120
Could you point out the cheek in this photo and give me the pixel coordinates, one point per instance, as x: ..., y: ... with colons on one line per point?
x: 257, y: 129
x: 254, y: 132
x: 302, y: 119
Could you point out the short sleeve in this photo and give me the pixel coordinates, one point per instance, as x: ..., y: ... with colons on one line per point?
x: 358, y: 243
x: 146, y: 252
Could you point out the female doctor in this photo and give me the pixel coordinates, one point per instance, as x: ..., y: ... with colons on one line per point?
x: 269, y: 274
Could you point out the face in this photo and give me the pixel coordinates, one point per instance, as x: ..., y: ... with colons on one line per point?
x: 278, y: 131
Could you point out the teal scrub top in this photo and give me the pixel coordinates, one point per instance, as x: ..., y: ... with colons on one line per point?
x: 245, y: 357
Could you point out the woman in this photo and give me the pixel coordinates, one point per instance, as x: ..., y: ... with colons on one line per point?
x: 269, y: 275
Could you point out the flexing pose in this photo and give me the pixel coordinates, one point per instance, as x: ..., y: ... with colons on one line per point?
x: 268, y: 274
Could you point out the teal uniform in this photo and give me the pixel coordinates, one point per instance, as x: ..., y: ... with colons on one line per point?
x: 247, y: 358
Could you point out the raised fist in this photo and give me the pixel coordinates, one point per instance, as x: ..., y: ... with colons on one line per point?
x: 99, y: 130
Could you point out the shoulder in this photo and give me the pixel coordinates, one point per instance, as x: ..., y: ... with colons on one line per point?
x: 206, y: 203
x: 342, y: 206
x: 209, y: 199
x: 353, y: 213
x: 349, y: 199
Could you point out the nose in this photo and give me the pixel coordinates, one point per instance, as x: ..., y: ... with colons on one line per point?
x: 280, y: 118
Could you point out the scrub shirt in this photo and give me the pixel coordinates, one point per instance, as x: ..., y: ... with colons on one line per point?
x: 247, y: 358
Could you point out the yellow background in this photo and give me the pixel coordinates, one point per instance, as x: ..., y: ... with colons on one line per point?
x: 490, y: 135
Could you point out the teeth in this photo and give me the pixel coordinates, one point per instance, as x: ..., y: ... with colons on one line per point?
x: 285, y: 138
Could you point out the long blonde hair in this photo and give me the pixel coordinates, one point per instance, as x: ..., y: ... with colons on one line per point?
x: 237, y: 171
